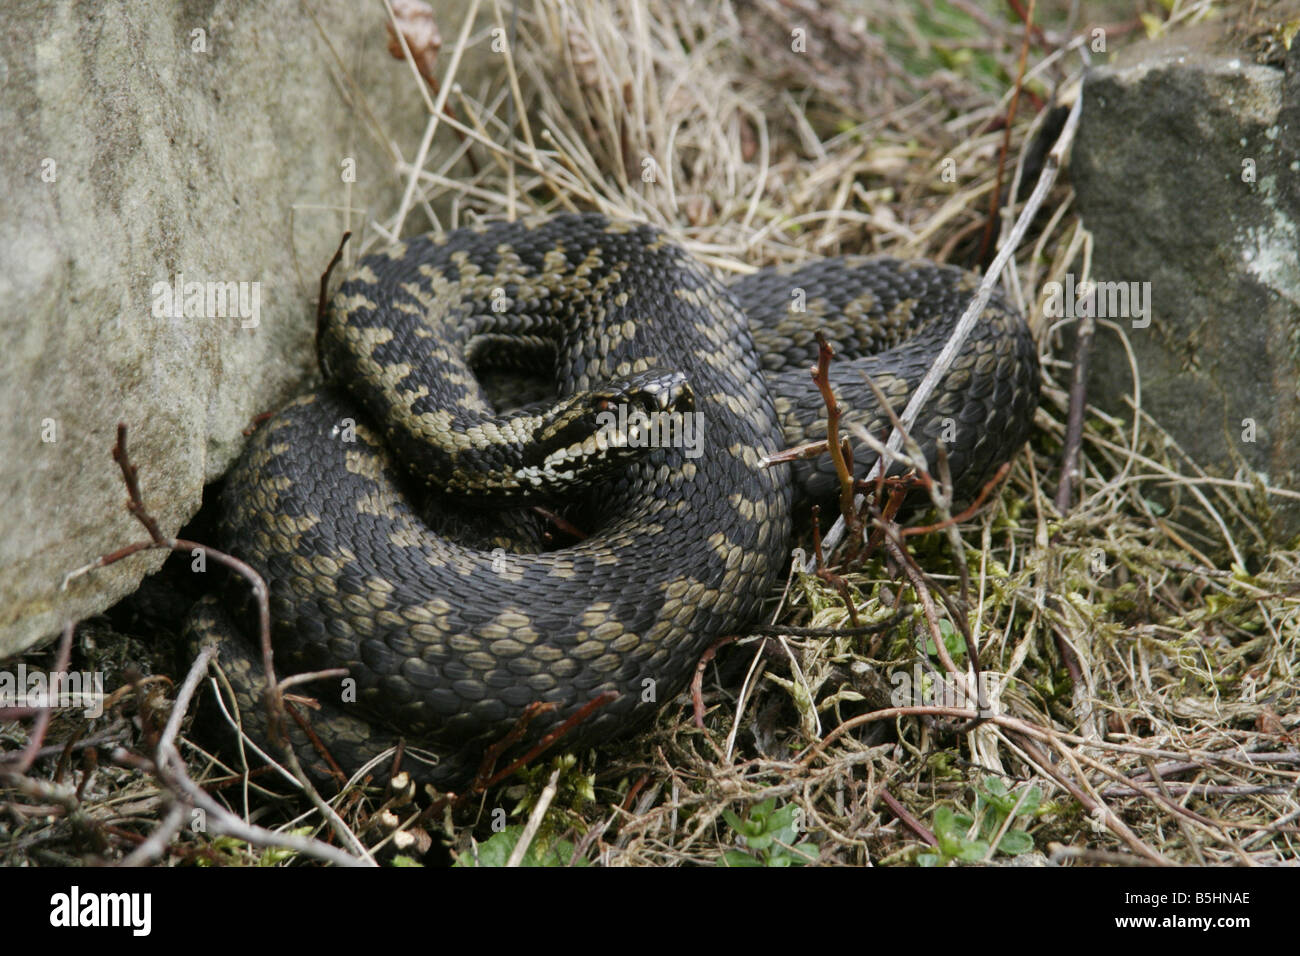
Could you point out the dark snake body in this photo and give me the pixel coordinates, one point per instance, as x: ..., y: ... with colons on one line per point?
x: 448, y: 627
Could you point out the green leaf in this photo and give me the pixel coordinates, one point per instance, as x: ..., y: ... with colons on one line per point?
x: 737, y: 858
x: 1015, y: 842
x: 496, y: 850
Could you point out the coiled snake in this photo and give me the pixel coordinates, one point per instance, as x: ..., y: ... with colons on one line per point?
x: 389, y: 512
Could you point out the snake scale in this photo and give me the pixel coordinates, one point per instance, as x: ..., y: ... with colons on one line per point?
x: 390, y: 510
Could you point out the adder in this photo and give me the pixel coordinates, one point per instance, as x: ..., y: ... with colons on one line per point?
x: 390, y: 511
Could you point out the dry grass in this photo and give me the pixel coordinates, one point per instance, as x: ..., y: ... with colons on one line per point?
x: 1175, y: 739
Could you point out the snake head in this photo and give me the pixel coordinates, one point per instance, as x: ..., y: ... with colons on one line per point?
x: 587, y: 436
x: 652, y: 392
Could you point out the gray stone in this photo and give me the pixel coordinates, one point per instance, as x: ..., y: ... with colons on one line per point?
x: 1187, y: 171
x: 134, y: 150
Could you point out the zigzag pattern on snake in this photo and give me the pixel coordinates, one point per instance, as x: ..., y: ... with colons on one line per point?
x: 389, y: 513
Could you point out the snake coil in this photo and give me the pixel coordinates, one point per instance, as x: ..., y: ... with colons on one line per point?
x: 388, y: 511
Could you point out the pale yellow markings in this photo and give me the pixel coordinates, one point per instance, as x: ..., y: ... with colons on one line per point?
x: 587, y: 650
x: 607, y: 631
x: 562, y: 569
x: 507, y: 647
x: 709, y: 331
x: 546, y: 653
x: 356, y: 604
x: 464, y: 643
x: 699, y: 298
x: 595, y: 614
x: 406, y: 537
x: 625, y: 642
x: 732, y: 403
x: 742, y: 506
x: 353, y: 302
x: 363, y: 463
x: 479, y: 660
x: 394, y: 252
x: 902, y: 311
x: 428, y: 611
x: 719, y: 544
x: 612, y: 279
x: 553, y: 260
x: 428, y: 634
x: 492, y: 631
x: 325, y: 565
x: 439, y: 425
x: 674, y: 590
x: 379, y: 585
x: 606, y: 663
x: 292, y: 527
x: 389, y: 619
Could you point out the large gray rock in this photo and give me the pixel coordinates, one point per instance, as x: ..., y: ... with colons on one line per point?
x: 1187, y: 170
x: 140, y: 142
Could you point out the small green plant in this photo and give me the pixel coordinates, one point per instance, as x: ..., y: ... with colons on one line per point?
x: 768, y: 835
x: 953, y: 640
x: 994, y: 805
x: 496, y: 850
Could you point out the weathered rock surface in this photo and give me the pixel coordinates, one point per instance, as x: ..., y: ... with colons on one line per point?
x: 153, y: 142
x: 1187, y: 170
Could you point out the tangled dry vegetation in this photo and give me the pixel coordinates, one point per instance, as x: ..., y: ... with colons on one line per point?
x: 1142, y: 635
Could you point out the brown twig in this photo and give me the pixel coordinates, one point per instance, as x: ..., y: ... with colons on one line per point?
x: 322, y: 303
x: 911, y: 822
x: 1074, y: 423
x: 841, y: 452
x: 43, y: 714
x: 697, y: 682
x: 995, y: 198
x: 969, y: 513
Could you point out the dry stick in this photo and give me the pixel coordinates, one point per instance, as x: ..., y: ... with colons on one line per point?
x: 423, y: 67
x: 1070, y: 461
x: 322, y: 308
x: 534, y: 820
x: 43, y: 714
x: 423, y: 151
x: 169, y: 767
x: 942, y: 500
x: 911, y: 822
x: 917, y: 577
x: 697, y: 682
x: 973, y: 311
x: 155, y: 845
x: 1059, y: 852
x: 1006, y: 133
x: 1109, y: 818
x: 821, y: 376
x: 1025, y: 734
x: 273, y: 695
x: 1074, y: 421
x: 586, y: 710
